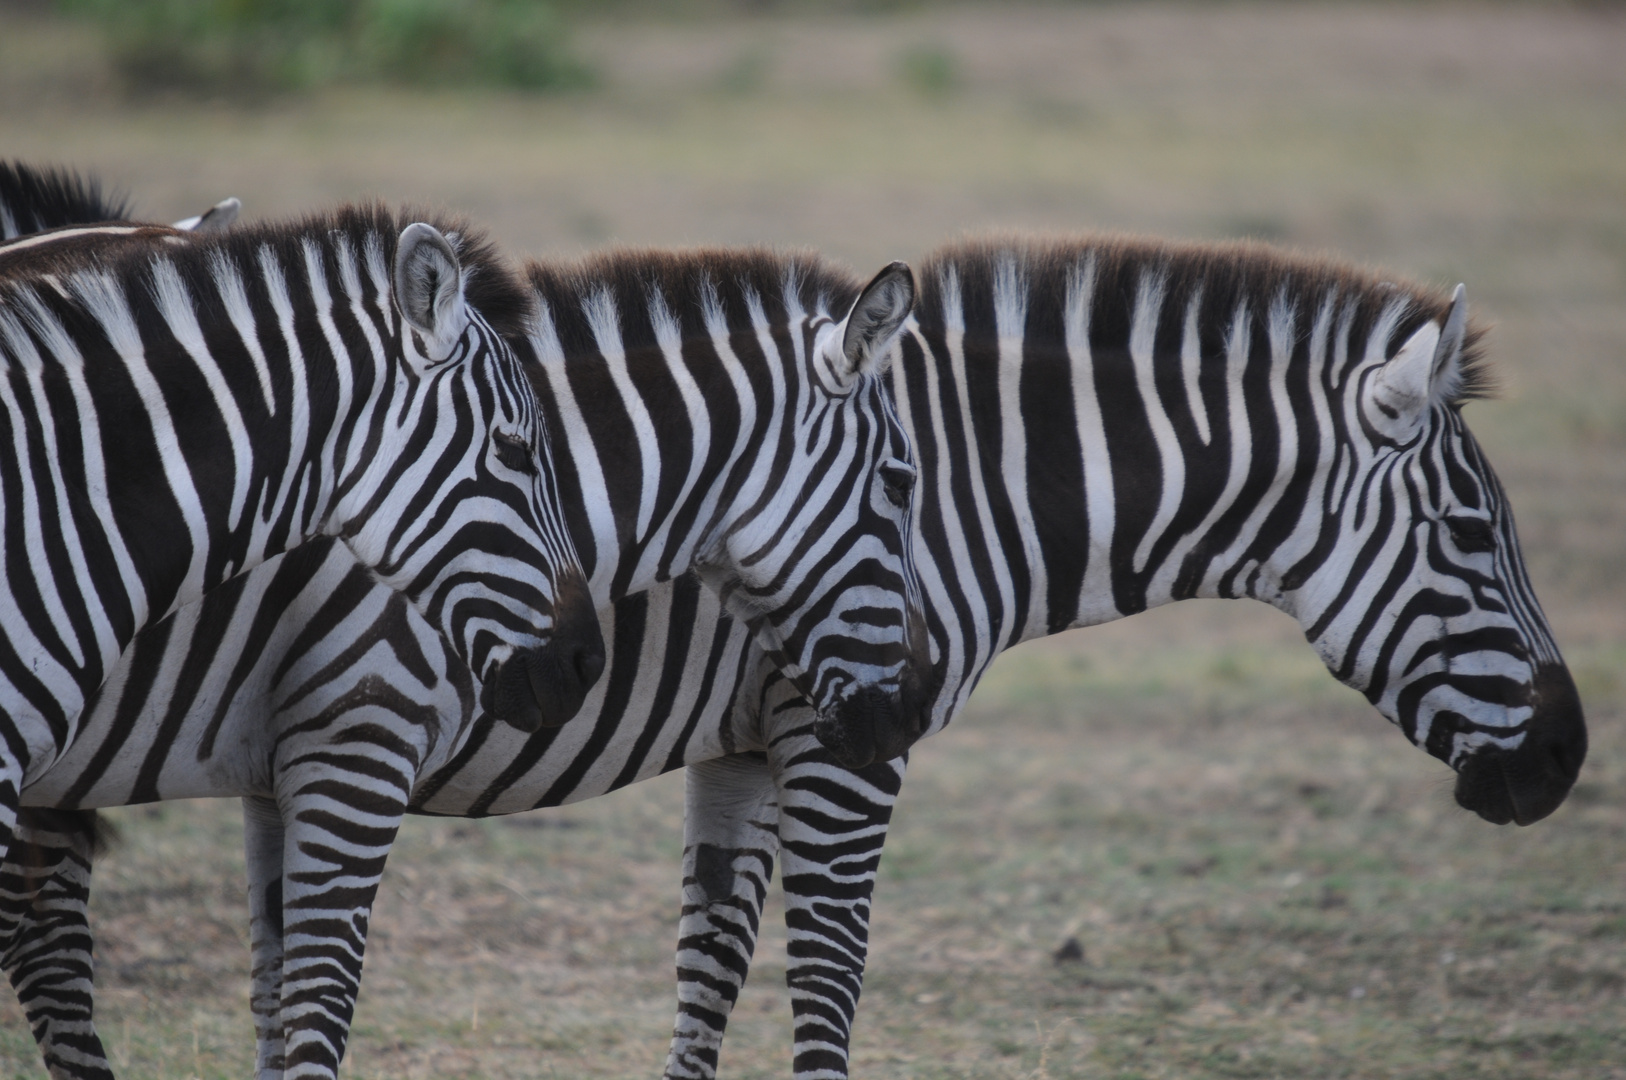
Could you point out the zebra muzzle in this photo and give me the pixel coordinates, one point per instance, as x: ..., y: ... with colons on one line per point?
x: 539, y: 688
x: 1526, y: 784
x: 867, y: 726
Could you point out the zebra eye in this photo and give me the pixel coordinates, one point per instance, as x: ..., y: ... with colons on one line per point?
x: 897, y: 480
x: 1471, y: 534
x: 514, y: 454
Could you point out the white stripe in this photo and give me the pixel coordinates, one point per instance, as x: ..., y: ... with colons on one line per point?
x: 179, y: 312
x: 974, y: 473
x: 669, y: 338
x: 105, y: 299
x: 1191, y: 359
x: 65, y: 234
x: 234, y: 299
x: 21, y: 464
x: 595, y: 491
x: 1241, y: 449
x: 1096, y: 601
x: 605, y: 323
x: 1011, y: 324
x: 1171, y: 461
x: 299, y: 416
x: 329, y: 461
x: 1279, y: 330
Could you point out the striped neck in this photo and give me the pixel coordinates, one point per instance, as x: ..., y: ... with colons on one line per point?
x: 1127, y: 424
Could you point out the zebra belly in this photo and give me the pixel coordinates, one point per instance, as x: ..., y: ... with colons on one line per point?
x: 201, y: 703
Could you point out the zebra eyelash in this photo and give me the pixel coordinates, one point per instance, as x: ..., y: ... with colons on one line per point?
x: 514, y: 453
x: 1471, y: 534
x: 897, y: 481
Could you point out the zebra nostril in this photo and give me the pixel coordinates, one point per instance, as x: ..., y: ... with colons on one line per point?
x: 589, y: 666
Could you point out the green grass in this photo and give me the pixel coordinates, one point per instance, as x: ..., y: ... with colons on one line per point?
x: 1265, y: 880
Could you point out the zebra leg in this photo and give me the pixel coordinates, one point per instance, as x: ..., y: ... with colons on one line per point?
x: 262, y: 844
x: 730, y: 831
x: 832, y: 824
x: 44, y: 922
x: 342, y: 801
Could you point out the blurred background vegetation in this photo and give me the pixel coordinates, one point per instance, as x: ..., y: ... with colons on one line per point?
x: 1262, y: 878
x: 256, y: 46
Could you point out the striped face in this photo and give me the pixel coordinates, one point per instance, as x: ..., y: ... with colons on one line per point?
x: 819, y: 565
x: 455, y: 504
x: 718, y: 417
x: 823, y: 571
x: 1423, y: 602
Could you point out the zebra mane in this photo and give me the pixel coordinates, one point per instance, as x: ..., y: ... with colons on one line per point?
x: 1228, y: 274
x: 35, y: 198
x: 489, y: 284
x: 685, y: 285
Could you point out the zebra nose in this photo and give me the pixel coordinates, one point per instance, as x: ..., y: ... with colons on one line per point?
x: 1526, y: 784
x: 547, y: 686
x: 867, y: 726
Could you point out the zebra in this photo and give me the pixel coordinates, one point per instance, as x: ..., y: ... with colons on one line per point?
x: 180, y: 413
x: 57, y: 207
x: 781, y: 508
x: 35, y: 200
x: 1100, y: 425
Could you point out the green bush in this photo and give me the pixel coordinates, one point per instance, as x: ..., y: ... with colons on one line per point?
x: 259, y: 45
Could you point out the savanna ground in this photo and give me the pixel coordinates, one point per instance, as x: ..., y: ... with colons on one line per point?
x: 1265, y: 880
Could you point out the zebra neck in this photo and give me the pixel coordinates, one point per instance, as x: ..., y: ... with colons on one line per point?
x: 644, y: 458
x: 1056, y: 477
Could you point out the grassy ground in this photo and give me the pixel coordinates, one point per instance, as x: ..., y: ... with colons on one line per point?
x: 1264, y: 879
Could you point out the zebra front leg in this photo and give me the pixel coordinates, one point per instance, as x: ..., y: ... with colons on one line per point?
x: 730, y: 838
x: 262, y: 845
x: 832, y: 824
x: 44, y: 922
x: 341, y: 807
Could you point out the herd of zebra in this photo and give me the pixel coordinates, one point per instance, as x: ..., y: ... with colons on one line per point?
x: 344, y: 517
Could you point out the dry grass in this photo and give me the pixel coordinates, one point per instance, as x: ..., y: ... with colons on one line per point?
x: 1265, y: 880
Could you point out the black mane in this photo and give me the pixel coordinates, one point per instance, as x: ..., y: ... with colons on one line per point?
x: 490, y: 285
x: 34, y: 198
x: 1228, y: 274
x: 686, y: 281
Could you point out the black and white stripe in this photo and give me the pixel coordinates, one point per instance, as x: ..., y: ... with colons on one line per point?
x: 1104, y: 427
x: 1100, y: 427
x: 181, y: 412
x: 776, y: 475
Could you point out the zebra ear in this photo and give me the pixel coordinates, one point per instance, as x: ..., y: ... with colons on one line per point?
x: 875, y: 319
x: 1425, y: 371
x: 429, y: 284
x: 1447, y: 380
x: 218, y: 218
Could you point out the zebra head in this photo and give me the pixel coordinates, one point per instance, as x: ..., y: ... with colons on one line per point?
x: 1421, y: 600
x: 821, y: 568
x: 458, y: 507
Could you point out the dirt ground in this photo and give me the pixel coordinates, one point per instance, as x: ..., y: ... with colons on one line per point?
x: 1264, y: 879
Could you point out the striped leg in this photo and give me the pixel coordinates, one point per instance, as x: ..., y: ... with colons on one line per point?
x: 730, y: 838
x: 263, y: 841
x: 832, y: 824
x: 341, y: 803
x: 44, y: 902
